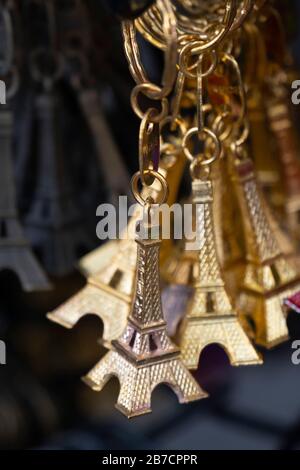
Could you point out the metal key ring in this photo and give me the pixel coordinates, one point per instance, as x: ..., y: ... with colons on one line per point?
x: 156, y: 175
x: 212, y: 135
x: 143, y: 88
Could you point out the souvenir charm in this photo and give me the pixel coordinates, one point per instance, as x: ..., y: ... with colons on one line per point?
x: 144, y: 356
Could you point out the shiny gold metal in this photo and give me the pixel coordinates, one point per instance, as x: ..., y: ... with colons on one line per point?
x: 110, y: 284
x: 270, y: 277
x: 209, y: 25
x: 144, y: 356
x: 210, y: 316
x: 133, y: 56
x: 97, y: 259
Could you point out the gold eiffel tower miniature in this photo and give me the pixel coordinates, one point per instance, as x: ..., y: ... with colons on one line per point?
x: 144, y: 356
x: 270, y: 276
x: 210, y: 317
x: 108, y: 293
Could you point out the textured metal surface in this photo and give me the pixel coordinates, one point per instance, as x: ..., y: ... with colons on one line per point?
x: 15, y: 252
x: 210, y: 316
x: 113, y: 311
x: 108, y: 293
x: 144, y: 356
x: 270, y: 276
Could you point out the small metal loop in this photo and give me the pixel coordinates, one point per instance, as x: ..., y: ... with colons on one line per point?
x: 149, y: 147
x: 242, y: 95
x: 200, y: 103
x: 151, y: 91
x: 204, y: 161
x: 239, y: 152
x: 133, y: 54
x: 176, y: 101
x: 187, y: 52
x: 39, y: 75
x: 198, y: 171
x: 155, y: 117
x: 138, y: 195
x: 222, y: 131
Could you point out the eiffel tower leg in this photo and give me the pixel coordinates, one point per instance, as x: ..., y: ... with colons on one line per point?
x: 135, y: 391
x: 266, y: 318
x: 184, y: 385
x: 135, y: 394
x: 102, y: 372
x: 91, y: 300
x: 229, y: 334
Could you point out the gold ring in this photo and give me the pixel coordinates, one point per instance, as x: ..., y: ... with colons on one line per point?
x: 156, y: 175
x: 204, y: 161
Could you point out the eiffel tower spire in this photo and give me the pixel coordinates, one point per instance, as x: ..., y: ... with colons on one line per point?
x: 270, y: 277
x: 210, y: 317
x: 144, y: 356
x: 15, y: 252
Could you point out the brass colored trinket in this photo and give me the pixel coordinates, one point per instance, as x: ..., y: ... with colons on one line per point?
x: 144, y: 356
x: 210, y: 317
x: 269, y: 276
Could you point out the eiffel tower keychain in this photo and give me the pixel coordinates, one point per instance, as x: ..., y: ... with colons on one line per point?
x: 15, y: 252
x: 270, y: 277
x: 210, y: 316
x: 144, y: 356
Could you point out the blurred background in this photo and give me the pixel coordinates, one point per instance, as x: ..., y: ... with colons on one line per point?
x: 55, y: 173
